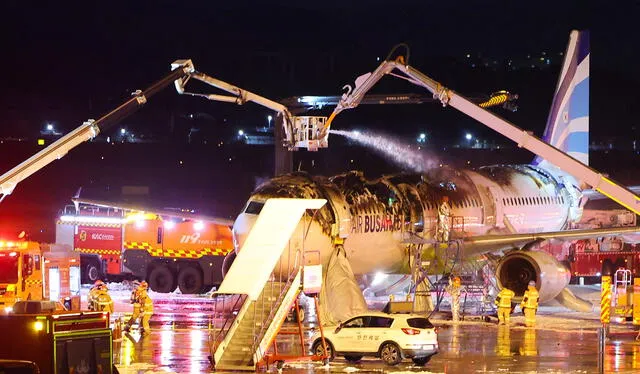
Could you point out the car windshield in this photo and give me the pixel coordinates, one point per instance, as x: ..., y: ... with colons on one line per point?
x: 419, y: 323
x: 8, y: 269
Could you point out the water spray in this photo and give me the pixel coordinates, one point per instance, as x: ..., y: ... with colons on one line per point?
x: 395, y: 150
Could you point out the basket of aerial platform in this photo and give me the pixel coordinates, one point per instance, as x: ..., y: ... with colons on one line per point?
x: 57, y: 342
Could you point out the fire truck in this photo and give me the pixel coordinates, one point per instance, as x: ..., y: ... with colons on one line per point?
x: 603, y: 256
x: 34, y: 271
x: 167, y: 249
x: 58, y: 341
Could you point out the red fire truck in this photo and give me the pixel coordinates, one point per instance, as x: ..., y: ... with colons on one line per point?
x: 596, y: 257
x: 167, y: 249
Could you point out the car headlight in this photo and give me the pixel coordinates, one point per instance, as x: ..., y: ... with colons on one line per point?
x: 8, y: 309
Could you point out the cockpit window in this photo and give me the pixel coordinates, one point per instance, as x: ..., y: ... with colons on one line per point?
x: 254, y: 207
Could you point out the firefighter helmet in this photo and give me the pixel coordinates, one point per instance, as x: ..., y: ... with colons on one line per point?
x: 456, y: 280
x: 98, y: 283
x: 144, y: 285
x: 532, y: 283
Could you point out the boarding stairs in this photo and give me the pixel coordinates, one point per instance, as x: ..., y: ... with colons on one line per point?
x: 255, y: 326
x: 480, y: 286
x: 260, y: 287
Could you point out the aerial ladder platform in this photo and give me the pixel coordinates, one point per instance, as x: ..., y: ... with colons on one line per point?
x: 260, y: 287
x: 400, y: 68
x: 296, y: 128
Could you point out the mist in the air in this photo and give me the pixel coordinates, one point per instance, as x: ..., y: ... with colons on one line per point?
x: 395, y: 150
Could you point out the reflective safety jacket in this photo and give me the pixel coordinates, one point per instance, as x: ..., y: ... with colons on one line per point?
x: 503, y: 300
x: 530, y: 299
x: 103, y: 302
x: 146, y: 304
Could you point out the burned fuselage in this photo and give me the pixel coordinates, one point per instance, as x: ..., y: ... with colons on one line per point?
x: 372, y: 219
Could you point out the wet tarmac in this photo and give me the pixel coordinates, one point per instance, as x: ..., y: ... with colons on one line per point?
x: 562, y: 342
x: 467, y: 348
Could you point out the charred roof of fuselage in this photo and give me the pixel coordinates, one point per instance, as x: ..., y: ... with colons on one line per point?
x: 293, y: 185
x: 505, y: 174
x: 299, y: 185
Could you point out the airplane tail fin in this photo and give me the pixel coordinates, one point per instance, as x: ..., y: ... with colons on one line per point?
x: 568, y: 122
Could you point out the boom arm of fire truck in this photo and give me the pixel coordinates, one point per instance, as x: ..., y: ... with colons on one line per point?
x: 87, y: 131
x: 295, y: 127
x: 524, y: 139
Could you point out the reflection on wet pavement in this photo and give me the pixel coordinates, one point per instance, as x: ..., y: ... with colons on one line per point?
x: 465, y: 348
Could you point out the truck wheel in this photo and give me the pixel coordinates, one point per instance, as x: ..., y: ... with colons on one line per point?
x: 93, y: 272
x: 162, y: 280
x: 190, y: 280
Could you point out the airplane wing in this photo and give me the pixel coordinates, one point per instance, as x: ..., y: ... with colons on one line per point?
x: 162, y: 212
x: 491, y: 243
x: 477, y: 245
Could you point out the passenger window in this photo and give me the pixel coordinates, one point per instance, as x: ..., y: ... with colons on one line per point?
x: 37, y: 261
x: 27, y: 265
x: 419, y: 323
x: 383, y: 322
x: 356, y: 322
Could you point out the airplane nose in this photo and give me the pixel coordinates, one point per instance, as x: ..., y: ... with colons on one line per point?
x: 241, y: 228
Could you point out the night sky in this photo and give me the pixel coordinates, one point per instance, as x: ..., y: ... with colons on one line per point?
x: 65, y: 62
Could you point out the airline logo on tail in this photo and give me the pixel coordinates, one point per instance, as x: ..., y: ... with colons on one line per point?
x: 568, y: 122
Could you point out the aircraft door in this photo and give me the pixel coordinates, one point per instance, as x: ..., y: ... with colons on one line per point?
x: 493, y: 212
x: 417, y: 210
x: 340, y: 209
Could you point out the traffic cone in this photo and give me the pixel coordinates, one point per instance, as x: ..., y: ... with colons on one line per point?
x: 117, y: 330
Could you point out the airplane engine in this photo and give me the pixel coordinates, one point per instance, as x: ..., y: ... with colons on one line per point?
x: 518, y: 268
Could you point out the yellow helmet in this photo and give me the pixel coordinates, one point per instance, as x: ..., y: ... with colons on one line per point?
x: 144, y: 285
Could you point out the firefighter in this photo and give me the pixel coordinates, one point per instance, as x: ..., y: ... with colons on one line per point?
x: 135, y: 301
x: 102, y: 301
x: 93, y: 295
x: 503, y: 302
x: 529, y: 304
x: 455, y: 289
x: 444, y: 218
x: 146, y: 307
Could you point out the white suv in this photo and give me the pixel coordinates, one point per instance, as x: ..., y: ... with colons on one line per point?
x: 391, y: 337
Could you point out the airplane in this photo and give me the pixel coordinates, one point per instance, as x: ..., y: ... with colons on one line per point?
x: 498, y: 209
